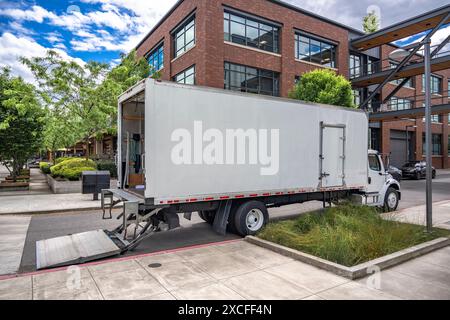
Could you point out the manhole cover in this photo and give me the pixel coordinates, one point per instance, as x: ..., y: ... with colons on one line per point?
x: 155, y: 265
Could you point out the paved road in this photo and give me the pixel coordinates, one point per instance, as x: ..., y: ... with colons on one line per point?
x: 192, y: 232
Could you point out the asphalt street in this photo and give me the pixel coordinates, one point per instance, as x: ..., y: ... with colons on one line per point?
x: 192, y: 232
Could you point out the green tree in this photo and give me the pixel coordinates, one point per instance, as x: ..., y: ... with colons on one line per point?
x: 324, y: 86
x: 371, y: 22
x: 58, y: 134
x: 21, y: 122
x: 71, y: 93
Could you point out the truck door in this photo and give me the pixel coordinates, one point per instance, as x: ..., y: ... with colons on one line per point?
x: 377, y: 175
x: 332, y: 155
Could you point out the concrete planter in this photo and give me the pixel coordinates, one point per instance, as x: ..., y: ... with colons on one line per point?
x: 360, y: 270
x: 6, y: 186
x: 61, y: 187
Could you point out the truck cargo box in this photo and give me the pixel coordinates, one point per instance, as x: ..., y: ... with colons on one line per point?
x: 180, y: 143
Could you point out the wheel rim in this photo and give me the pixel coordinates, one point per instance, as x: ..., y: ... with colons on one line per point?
x: 254, y: 219
x: 392, y: 200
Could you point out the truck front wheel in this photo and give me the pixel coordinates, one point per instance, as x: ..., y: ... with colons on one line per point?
x: 391, y: 200
x: 250, y: 217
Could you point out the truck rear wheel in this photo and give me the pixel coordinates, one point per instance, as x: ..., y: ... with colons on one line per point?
x: 250, y: 217
x: 391, y: 200
x: 207, y: 216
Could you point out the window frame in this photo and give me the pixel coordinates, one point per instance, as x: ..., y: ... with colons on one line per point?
x: 440, y: 84
x: 182, y: 30
x: 255, y: 23
x: 401, y: 101
x: 332, y: 47
x: 260, y: 74
x: 186, y: 76
x: 156, y: 51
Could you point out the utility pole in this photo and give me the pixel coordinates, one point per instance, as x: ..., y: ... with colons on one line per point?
x: 428, y: 136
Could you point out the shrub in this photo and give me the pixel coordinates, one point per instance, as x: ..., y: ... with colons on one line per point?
x: 59, y: 160
x: 324, y: 86
x: 72, y: 168
x: 110, y: 166
x: 45, y: 167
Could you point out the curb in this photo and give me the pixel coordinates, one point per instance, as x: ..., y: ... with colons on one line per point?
x: 358, y: 271
x: 56, y: 211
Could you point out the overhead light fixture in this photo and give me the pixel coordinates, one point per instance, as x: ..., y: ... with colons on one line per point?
x: 398, y: 54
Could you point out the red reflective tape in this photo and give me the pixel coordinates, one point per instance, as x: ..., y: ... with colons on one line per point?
x: 254, y: 195
x: 266, y: 194
x: 240, y: 196
x: 208, y: 199
x: 176, y: 201
x: 170, y: 202
x: 161, y: 202
x: 193, y: 200
x: 226, y: 197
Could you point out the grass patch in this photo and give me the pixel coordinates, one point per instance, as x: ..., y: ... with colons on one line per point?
x: 347, y: 235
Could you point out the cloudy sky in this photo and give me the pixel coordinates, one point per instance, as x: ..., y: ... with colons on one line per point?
x: 101, y: 29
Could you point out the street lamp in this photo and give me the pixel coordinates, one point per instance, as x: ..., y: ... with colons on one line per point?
x: 400, y: 54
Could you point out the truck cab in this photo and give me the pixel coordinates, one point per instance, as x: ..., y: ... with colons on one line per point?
x: 382, y: 189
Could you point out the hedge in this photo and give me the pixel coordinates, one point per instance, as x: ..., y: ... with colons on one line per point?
x: 72, y: 168
x: 104, y: 165
x: 45, y: 167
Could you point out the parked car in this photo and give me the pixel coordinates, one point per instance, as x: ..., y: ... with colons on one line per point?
x: 396, y: 173
x: 416, y: 170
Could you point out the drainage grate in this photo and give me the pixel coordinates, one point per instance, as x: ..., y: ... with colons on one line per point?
x: 155, y: 265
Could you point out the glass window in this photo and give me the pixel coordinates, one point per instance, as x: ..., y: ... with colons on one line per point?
x: 186, y: 77
x: 436, y: 84
x: 355, y: 66
x: 249, y: 32
x: 436, y: 144
x: 374, y: 162
x: 357, y: 97
x: 399, y: 104
x: 248, y: 79
x: 184, y: 37
x: 315, y: 51
x: 156, y: 59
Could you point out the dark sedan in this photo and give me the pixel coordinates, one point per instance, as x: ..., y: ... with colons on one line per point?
x: 416, y: 170
x: 396, y: 173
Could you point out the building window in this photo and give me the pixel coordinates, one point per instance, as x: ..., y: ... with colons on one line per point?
x: 396, y: 104
x: 373, y: 65
x: 355, y: 66
x: 436, y: 84
x: 297, y: 81
x: 357, y: 97
x: 184, y: 37
x: 249, y: 32
x: 248, y: 79
x: 156, y: 59
x: 315, y: 51
x: 436, y: 144
x: 409, y: 84
x: 186, y: 77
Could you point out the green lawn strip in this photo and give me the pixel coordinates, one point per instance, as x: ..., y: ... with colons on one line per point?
x: 347, y: 235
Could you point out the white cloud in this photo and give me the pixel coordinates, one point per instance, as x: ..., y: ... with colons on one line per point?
x: 13, y: 47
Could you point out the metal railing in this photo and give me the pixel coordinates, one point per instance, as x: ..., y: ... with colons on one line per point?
x: 366, y: 69
x: 409, y: 102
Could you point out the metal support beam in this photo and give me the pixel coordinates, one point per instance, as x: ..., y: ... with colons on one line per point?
x: 390, y: 95
x: 440, y: 46
x: 428, y: 136
x: 405, y: 60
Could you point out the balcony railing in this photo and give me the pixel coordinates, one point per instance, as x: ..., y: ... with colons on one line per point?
x: 366, y: 69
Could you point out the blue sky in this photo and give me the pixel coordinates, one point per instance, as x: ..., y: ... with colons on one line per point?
x: 101, y: 29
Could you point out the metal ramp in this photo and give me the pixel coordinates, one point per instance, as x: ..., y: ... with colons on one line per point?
x: 74, y: 249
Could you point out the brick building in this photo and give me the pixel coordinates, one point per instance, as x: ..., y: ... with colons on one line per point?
x: 264, y: 46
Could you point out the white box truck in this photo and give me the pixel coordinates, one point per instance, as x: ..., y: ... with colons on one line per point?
x: 230, y: 156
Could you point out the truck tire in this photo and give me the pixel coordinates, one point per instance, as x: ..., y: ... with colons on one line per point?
x: 207, y: 216
x: 391, y: 200
x: 250, y: 217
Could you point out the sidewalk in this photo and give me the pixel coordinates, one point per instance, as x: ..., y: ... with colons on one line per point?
x: 232, y: 270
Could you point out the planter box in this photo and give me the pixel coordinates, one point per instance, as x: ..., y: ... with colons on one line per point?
x: 61, y: 187
x: 358, y: 271
x: 18, y: 178
x: 14, y: 186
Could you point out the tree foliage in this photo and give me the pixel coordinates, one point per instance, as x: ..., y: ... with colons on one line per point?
x: 324, y: 86
x: 21, y: 122
x: 82, y: 100
x: 371, y: 22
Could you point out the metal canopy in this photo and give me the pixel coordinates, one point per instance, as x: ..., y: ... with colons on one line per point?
x: 402, y: 29
x: 408, y: 113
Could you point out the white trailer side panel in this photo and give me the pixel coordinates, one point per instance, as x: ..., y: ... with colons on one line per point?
x: 171, y: 106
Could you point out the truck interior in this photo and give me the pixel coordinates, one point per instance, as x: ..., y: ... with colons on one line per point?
x: 132, y: 156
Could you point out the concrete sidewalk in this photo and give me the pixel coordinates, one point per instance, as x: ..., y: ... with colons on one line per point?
x: 228, y: 271
x: 13, y: 232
